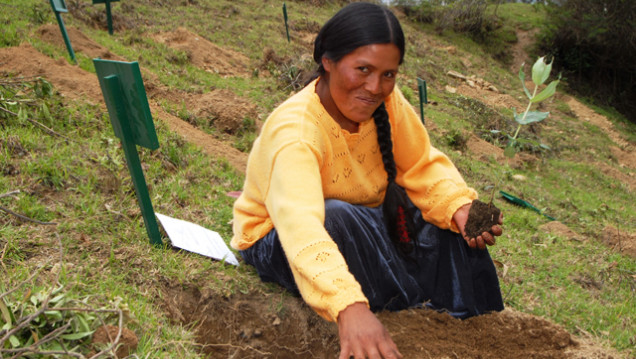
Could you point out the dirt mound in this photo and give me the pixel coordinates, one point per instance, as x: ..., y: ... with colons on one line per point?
x: 507, y: 334
x: 223, y: 109
x: 69, y: 80
x: 559, y: 229
x: 485, y: 151
x: 257, y: 325
x: 628, y: 178
x: 79, y: 42
x: 620, y: 240
x: 205, y: 54
x: 583, y: 113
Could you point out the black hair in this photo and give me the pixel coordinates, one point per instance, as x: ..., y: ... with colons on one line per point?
x: 360, y: 24
x: 398, y: 214
x: 357, y: 24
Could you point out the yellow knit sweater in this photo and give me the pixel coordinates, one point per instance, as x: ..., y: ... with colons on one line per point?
x: 303, y: 157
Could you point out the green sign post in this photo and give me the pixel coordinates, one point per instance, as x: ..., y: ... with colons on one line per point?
x: 285, y: 17
x: 109, y: 17
x: 59, y: 6
x: 130, y: 117
x: 421, y: 86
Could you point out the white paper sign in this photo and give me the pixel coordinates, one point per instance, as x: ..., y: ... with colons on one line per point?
x: 196, y: 239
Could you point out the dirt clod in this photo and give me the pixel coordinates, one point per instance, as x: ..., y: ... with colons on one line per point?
x: 107, y: 334
x: 481, y: 218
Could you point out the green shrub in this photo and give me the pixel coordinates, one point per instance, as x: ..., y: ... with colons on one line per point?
x: 594, y: 44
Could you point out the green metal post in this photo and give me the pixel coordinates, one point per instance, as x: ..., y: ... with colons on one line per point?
x: 132, y: 159
x: 109, y: 18
x: 285, y: 16
x: 421, y: 86
x: 67, y: 41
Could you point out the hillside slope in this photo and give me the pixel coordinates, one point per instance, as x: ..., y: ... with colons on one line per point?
x: 204, y: 91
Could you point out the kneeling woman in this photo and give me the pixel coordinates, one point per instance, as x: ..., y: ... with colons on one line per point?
x: 346, y: 202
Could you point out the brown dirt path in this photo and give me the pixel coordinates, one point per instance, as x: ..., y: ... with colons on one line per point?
x: 519, y: 54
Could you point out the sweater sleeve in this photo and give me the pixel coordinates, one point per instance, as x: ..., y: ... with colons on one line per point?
x: 295, y: 204
x: 430, y: 178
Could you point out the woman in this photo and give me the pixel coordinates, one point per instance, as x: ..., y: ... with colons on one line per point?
x: 346, y: 203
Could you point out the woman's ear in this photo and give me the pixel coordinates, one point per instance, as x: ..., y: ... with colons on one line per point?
x: 327, y: 64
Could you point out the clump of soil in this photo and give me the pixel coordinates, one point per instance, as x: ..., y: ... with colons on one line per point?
x: 107, y: 334
x: 481, y: 217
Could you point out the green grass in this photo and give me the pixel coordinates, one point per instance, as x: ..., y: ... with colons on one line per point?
x: 83, y: 184
x: 523, y: 16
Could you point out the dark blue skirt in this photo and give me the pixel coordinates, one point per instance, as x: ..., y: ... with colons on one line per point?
x: 442, y: 272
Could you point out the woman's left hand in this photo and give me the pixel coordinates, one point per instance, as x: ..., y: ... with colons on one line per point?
x: 487, y: 238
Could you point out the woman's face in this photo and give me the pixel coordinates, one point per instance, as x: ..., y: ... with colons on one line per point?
x: 357, y: 84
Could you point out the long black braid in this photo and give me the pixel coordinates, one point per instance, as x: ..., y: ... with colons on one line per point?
x: 397, y: 212
x: 360, y: 24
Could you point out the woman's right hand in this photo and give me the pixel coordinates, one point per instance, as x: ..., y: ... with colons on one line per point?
x: 362, y: 335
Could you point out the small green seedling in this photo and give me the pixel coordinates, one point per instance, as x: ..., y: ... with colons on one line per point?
x: 540, y: 73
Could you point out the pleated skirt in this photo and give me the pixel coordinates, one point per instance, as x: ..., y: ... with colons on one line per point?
x: 441, y: 272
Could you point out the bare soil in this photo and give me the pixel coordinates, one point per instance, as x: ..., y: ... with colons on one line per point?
x: 275, y: 325
x: 481, y: 217
x: 205, y: 54
x: 249, y: 326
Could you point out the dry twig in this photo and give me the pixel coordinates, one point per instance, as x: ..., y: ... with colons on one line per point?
x: 25, y: 217
x: 45, y: 128
x: 56, y: 334
x: 11, y: 193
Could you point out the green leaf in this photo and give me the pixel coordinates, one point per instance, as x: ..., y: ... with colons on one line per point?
x: 77, y: 336
x: 53, y: 314
x: 22, y: 116
x: 83, y: 323
x: 47, y: 113
x: 57, y: 298
x: 55, y: 346
x: 522, y: 77
x: 510, y: 151
x: 531, y: 116
x: 15, y: 342
x: 541, y: 71
x: 547, y: 92
x: 6, y: 316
